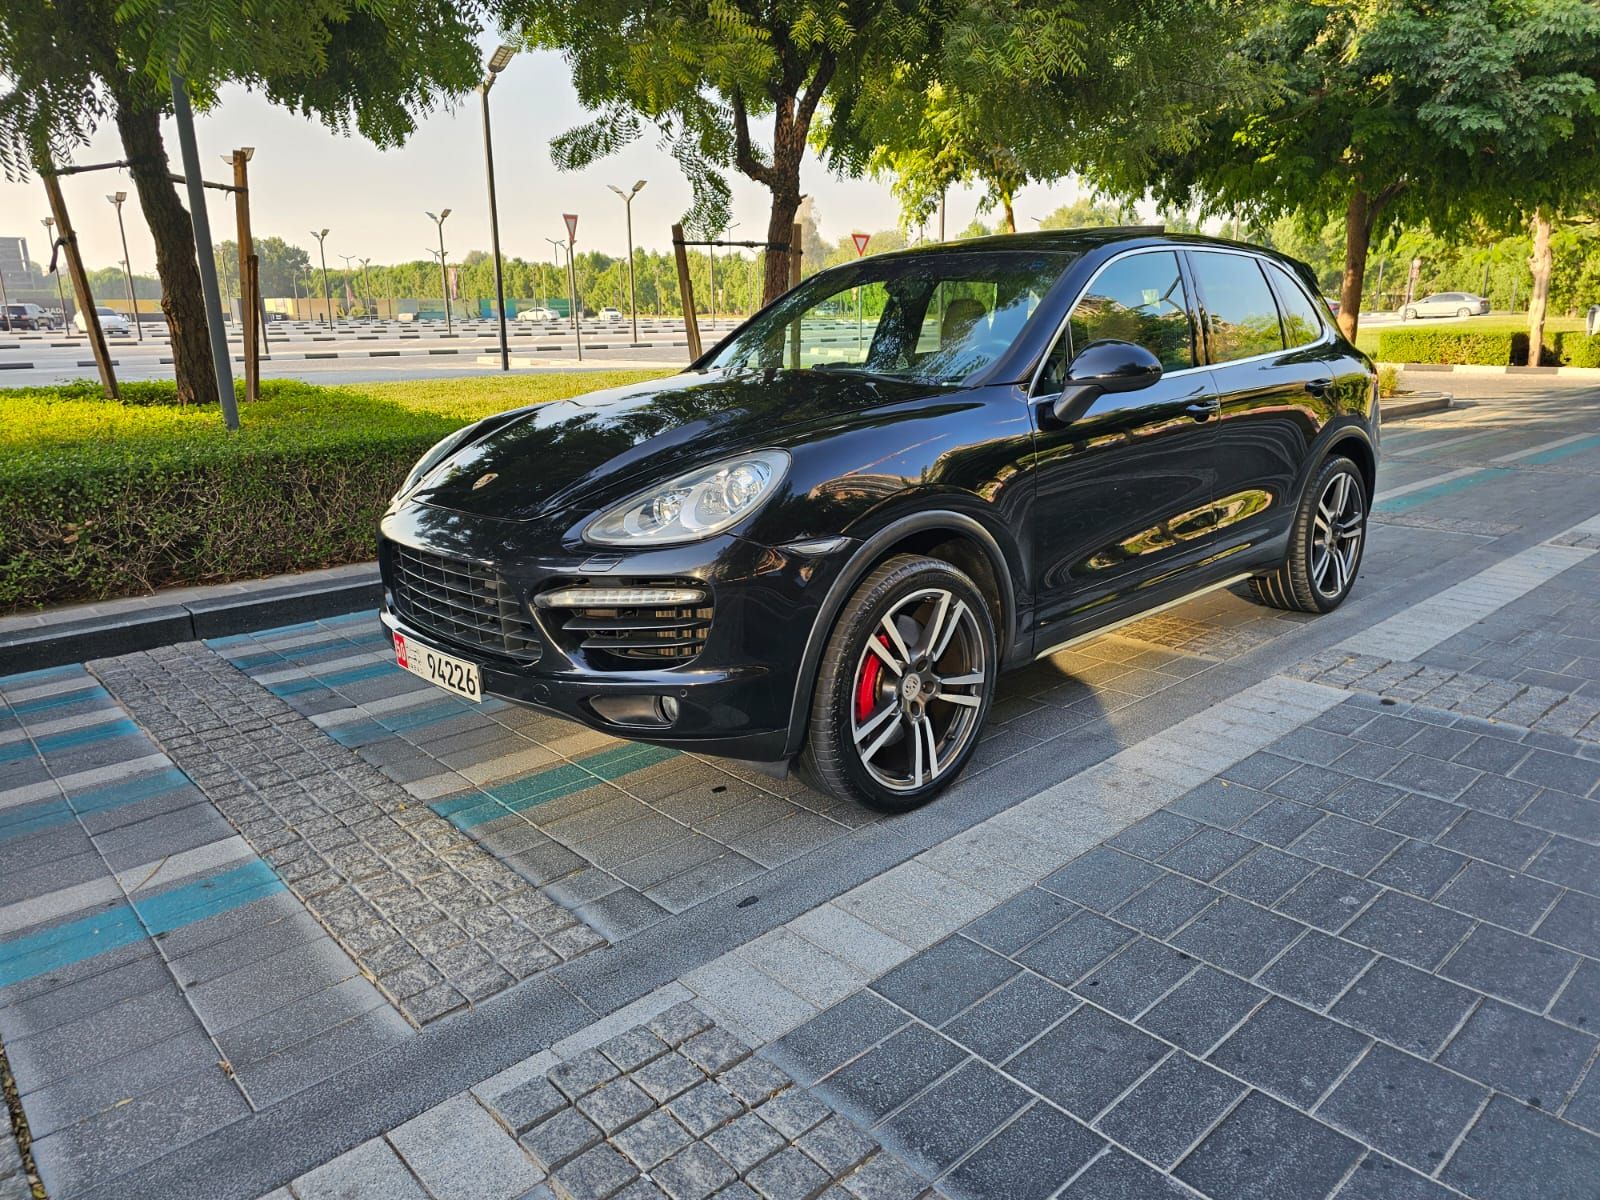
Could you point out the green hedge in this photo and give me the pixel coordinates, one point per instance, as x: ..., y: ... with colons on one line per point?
x: 103, y: 499
x: 1489, y: 347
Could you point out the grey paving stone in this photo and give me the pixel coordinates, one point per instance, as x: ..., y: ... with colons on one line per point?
x: 944, y: 979
x: 1264, y: 1150
x: 1086, y: 1061
x: 1264, y: 876
x: 651, y: 1140
x: 679, y: 1023
x: 952, y: 1117
x: 1220, y: 802
x: 371, y: 1169
x: 1529, y: 1057
x: 1420, y: 816
x: 1136, y: 978
x: 594, y: 1175
x: 1570, y: 863
x: 1409, y: 1109
x: 1329, y: 899
x: 615, y: 1105
x: 1155, y: 835
x: 1516, y: 1153
x: 1584, y: 1107
x: 1207, y: 854
x: 1259, y: 769
x: 1496, y: 796
x: 529, y: 1103
x: 835, y: 1036
x: 1409, y: 929
x: 1505, y: 964
x: 1279, y: 822
x: 1200, y: 1010
x: 998, y: 1026
x: 1315, y: 969
x: 1494, y: 839
x: 1404, y: 1007
x: 1345, y: 845
x: 693, y: 1173
x: 1076, y: 947
x: 701, y: 1109
x: 1563, y: 772
x: 460, y: 1152
x: 879, y: 1082
x: 1380, y: 1178
x: 793, y: 1113
x: 1418, y: 868
x: 746, y: 1141
x: 837, y: 1146
x: 1119, y: 1176
x: 1170, y: 1109
x: 632, y: 1049
x: 1574, y: 922
x: 1101, y: 879
x: 1579, y: 1002
x: 1027, y: 1160
x: 1368, y: 760
x: 715, y: 1050
x: 1166, y: 904
x: 1432, y: 777
x: 582, y: 1074
x: 1237, y: 936
x: 667, y: 1077
x: 1289, y: 1051
x: 1022, y: 919
x: 560, y: 1138
x: 753, y: 1081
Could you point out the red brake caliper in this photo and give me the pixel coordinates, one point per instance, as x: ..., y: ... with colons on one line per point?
x: 867, y: 684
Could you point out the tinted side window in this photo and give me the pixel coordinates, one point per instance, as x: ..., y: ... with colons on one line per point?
x: 1300, y: 319
x: 1138, y: 299
x: 1243, y: 316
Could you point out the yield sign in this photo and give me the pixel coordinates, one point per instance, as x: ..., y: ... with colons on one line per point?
x: 861, y: 240
x: 572, y: 225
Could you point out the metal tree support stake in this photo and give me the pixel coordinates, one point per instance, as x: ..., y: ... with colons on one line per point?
x: 80, y: 282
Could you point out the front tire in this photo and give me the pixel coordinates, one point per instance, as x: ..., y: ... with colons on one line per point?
x: 1325, y: 544
x: 1409, y: 314
x: 905, y: 685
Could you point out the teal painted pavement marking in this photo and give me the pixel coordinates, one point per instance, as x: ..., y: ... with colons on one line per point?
x: 1560, y: 452
x: 89, y: 691
x: 294, y: 687
x: 74, y: 941
x: 30, y: 818
x: 17, y: 751
x: 474, y: 808
x: 1438, y: 491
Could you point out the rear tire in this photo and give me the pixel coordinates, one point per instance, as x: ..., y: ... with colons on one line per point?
x: 1325, y: 544
x: 907, y: 676
x: 1463, y: 313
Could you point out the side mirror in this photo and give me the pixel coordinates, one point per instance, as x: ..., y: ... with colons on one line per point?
x: 1102, y: 367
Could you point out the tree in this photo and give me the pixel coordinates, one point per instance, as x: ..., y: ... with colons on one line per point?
x: 73, y: 65
x: 1088, y: 212
x: 1386, y: 111
x: 704, y: 74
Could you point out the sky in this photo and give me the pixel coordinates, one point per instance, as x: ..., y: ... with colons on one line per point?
x: 304, y: 177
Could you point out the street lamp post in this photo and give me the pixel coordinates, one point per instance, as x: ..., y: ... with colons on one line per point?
x: 327, y: 298
x: 116, y: 199
x: 555, y: 255
x: 627, y: 204
x: 444, y: 277
x: 50, y: 226
x: 497, y: 63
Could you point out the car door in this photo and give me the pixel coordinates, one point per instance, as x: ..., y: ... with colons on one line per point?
x: 1273, y: 392
x: 1123, y: 494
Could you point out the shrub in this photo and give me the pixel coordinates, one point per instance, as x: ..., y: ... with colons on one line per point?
x: 1489, y: 347
x: 1576, y: 349
x: 1388, y: 380
x: 104, y: 499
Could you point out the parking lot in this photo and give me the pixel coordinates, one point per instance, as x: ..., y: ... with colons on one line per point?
x: 1232, y: 903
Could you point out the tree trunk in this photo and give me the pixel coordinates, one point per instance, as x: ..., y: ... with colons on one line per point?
x: 1010, y: 216
x: 139, y: 123
x: 1359, y: 216
x: 780, y: 231
x: 1542, y: 262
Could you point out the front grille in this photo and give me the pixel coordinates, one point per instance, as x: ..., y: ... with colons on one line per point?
x: 462, y: 602
x: 664, y: 636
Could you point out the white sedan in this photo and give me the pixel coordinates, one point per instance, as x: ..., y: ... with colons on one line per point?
x: 537, y: 314
x: 111, y: 321
x: 1446, y: 304
x: 611, y: 314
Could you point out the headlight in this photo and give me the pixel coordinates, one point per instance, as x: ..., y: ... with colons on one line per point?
x: 436, y: 454
x: 692, y: 506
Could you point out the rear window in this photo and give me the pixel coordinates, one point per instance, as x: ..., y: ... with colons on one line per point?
x: 1241, y: 315
x: 1301, y: 323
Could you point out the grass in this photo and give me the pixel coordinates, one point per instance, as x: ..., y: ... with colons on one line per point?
x: 480, y: 395
x: 1367, y: 335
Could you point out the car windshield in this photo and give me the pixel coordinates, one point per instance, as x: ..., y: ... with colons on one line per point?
x: 932, y: 318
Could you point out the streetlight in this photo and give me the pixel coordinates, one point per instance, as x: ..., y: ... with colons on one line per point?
x: 444, y: 278
x: 116, y: 198
x: 50, y: 226
x: 627, y: 204
x: 556, y: 254
x: 497, y: 63
x: 322, y: 246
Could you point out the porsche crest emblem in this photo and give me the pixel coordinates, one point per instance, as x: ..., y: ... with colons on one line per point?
x: 485, y: 480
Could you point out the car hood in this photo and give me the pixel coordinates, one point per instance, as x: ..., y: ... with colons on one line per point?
x: 595, y: 449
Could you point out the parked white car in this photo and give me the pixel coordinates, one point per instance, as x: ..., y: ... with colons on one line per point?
x: 111, y: 321
x: 537, y: 314
x: 1446, y: 304
x: 611, y: 314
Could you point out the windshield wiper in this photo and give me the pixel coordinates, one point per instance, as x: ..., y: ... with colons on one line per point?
x: 862, y: 372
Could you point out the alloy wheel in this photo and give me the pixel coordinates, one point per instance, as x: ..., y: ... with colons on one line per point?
x: 1337, y: 530
x: 918, y: 690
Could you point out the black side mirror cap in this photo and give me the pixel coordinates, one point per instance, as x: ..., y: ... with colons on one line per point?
x: 1103, y: 367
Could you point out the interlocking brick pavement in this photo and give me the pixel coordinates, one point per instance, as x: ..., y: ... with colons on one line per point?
x: 422, y: 909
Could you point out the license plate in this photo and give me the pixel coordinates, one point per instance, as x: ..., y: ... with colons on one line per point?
x: 452, y: 674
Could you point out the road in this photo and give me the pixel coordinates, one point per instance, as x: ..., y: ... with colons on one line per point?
x: 1231, y: 903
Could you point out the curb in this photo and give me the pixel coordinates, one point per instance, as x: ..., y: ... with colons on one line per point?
x: 165, y: 625
x: 1479, y: 369
x: 1415, y: 406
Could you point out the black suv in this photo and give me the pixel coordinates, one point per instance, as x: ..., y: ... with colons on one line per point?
x: 824, y: 540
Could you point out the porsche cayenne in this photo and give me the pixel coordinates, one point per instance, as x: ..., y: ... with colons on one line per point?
x: 822, y: 543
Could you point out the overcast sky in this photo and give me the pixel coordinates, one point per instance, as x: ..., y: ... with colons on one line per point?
x: 304, y: 178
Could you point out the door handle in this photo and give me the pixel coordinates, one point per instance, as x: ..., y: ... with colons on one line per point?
x: 1201, y: 409
x: 1322, y: 388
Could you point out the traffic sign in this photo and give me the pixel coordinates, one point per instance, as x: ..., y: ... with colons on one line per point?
x: 860, y: 239
x: 572, y: 225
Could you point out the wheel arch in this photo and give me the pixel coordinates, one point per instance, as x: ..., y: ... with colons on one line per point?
x: 956, y: 537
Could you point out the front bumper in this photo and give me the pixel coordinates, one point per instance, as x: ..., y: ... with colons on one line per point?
x: 734, y: 698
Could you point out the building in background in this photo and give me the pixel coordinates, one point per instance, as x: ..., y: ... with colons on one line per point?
x: 14, y: 261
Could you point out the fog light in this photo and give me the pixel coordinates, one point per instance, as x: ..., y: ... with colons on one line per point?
x: 669, y: 708
x: 637, y: 711
x: 619, y: 597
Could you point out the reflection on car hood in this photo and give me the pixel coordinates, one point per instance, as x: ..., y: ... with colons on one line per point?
x: 595, y: 448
